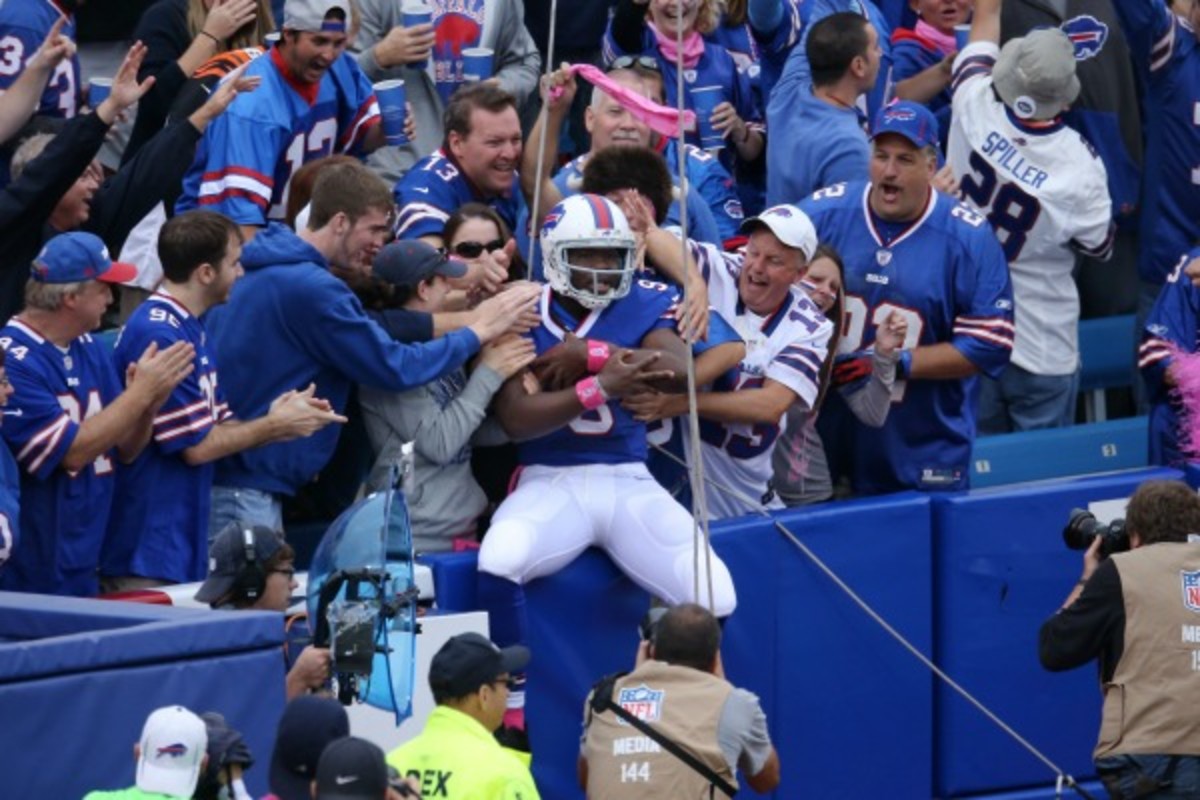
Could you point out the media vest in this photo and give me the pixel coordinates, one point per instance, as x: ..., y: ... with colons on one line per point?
x: 685, y: 705
x: 1149, y: 706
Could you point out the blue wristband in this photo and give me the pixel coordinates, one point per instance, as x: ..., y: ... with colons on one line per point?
x: 904, y: 365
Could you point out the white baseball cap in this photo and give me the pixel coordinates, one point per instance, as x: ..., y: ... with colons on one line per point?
x: 173, y: 746
x: 309, y: 15
x: 1035, y: 74
x: 790, y: 226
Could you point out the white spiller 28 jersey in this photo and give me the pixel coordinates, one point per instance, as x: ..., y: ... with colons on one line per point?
x: 788, y: 347
x: 1045, y: 193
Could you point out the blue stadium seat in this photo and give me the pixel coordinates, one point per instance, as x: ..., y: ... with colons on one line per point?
x: 1060, y: 452
x: 1106, y: 350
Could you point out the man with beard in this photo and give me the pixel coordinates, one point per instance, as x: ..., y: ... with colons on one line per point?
x: 290, y: 323
x: 912, y: 250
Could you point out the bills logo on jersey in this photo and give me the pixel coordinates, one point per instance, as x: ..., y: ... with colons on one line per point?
x: 1087, y: 33
x: 1191, y: 590
x: 642, y: 702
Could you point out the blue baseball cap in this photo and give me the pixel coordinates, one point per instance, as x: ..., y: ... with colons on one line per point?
x: 911, y: 120
x: 79, y: 256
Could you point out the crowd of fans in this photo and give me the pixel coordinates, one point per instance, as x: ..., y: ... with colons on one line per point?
x: 868, y: 243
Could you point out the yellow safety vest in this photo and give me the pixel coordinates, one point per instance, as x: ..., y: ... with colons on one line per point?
x: 456, y: 758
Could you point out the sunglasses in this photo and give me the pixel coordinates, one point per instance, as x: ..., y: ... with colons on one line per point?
x: 475, y: 249
x: 626, y: 62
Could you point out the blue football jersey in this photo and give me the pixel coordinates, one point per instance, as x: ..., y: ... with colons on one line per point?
x: 245, y: 161
x: 761, y: 58
x: 608, y: 434
x: 1173, y: 324
x: 1165, y: 47
x: 435, y: 188
x: 63, y: 514
x: 23, y: 27
x: 667, y: 434
x: 164, y: 533
x: 10, y: 506
x: 946, y: 274
x: 707, y: 176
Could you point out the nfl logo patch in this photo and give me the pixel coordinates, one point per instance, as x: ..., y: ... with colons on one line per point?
x: 1191, y: 590
x: 642, y: 702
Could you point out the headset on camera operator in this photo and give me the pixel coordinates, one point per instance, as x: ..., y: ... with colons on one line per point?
x: 253, y: 568
x: 1138, y: 613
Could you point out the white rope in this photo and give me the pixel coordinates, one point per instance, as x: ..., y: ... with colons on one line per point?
x: 701, y: 540
x: 535, y: 216
x: 895, y: 634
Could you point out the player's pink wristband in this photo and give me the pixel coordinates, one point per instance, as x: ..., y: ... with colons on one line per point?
x: 598, y: 354
x: 590, y: 393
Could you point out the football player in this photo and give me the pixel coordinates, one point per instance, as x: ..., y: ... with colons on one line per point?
x: 584, y: 479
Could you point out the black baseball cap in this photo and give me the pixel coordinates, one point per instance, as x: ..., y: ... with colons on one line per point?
x: 409, y: 261
x: 308, y: 724
x: 352, y: 769
x: 468, y: 661
x: 227, y: 557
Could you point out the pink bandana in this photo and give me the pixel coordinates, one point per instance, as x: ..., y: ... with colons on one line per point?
x: 693, y: 46
x: 661, y: 119
x: 943, y: 41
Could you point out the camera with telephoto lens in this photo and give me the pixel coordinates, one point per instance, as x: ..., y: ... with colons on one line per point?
x: 1083, y: 528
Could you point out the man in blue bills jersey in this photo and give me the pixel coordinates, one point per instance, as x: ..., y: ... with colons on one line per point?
x: 477, y: 163
x: 583, y: 478
x: 311, y: 103
x: 70, y: 420
x: 162, y: 535
x: 910, y: 249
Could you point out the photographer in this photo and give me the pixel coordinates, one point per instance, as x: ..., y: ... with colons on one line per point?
x: 1139, y: 614
x: 678, y: 687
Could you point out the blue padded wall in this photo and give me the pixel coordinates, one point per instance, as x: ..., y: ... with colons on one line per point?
x: 830, y: 681
x: 78, y: 678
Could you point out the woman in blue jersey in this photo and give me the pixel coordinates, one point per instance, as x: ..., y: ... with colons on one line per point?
x: 651, y: 29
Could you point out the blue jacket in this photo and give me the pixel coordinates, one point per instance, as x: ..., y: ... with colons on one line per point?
x: 289, y: 323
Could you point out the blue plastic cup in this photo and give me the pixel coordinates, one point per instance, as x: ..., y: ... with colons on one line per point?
x: 704, y: 100
x: 98, y: 89
x: 415, y: 12
x: 477, y: 64
x: 391, y: 97
x: 962, y: 35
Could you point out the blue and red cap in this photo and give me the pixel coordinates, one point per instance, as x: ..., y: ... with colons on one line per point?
x: 911, y: 120
x: 78, y: 256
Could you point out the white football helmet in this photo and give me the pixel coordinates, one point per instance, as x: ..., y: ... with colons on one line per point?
x: 588, y: 222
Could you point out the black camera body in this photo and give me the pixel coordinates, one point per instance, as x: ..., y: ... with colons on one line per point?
x: 1083, y: 528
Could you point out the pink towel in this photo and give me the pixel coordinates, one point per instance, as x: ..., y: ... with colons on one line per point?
x: 661, y: 119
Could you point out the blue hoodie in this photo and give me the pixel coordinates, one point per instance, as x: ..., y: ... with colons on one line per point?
x: 289, y: 323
